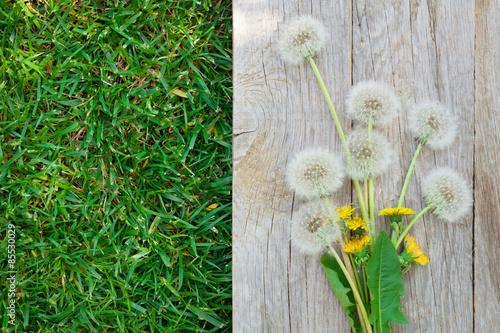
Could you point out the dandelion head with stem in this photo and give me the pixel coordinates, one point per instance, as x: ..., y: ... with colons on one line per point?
x: 314, y: 228
x: 357, y: 248
x: 413, y: 253
x: 370, y: 157
x: 448, y: 193
x: 304, y: 37
x: 374, y: 102
x: 433, y: 125
x: 315, y: 172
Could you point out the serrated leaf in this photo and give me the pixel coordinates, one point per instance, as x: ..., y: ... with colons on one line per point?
x: 386, y: 285
x: 342, y: 289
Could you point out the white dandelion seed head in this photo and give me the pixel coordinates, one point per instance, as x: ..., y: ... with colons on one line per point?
x: 370, y: 158
x: 315, y: 172
x: 448, y: 193
x: 303, y: 37
x: 433, y: 125
x: 314, y: 228
x: 372, y: 101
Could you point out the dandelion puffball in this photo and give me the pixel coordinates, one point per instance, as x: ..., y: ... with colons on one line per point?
x: 448, y: 193
x: 433, y: 125
x: 369, y: 158
x: 304, y: 37
x: 371, y: 101
x: 314, y: 228
x: 315, y: 172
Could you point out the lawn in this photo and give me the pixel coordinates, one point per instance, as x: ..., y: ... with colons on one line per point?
x: 115, y: 132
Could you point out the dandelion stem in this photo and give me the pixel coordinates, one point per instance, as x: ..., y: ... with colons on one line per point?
x: 394, y: 236
x: 365, y: 284
x: 347, y: 258
x: 410, y: 225
x: 330, y: 104
x: 371, y: 190
x: 347, y: 261
x: 408, y: 175
x: 365, y: 184
x: 361, y: 307
x: 357, y: 280
x: 329, y: 207
x: 362, y: 206
x: 372, y: 207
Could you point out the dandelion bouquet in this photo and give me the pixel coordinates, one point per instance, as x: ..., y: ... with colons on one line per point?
x: 366, y: 274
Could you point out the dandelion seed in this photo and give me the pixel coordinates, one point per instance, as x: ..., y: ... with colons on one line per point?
x: 433, y: 125
x: 304, y: 37
x: 313, y: 228
x: 315, y: 172
x: 369, y: 158
x: 448, y: 193
x: 371, y: 101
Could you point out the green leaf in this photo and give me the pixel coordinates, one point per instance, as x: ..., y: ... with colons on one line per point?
x: 342, y: 289
x: 386, y: 285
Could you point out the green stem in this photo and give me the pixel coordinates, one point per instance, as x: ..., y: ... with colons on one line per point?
x: 372, y: 206
x: 365, y: 286
x: 394, y: 237
x: 410, y: 225
x: 363, y: 315
x: 357, y: 279
x: 362, y: 207
x: 408, y: 175
x: 365, y: 185
x: 330, y: 105
x: 333, y: 214
x: 371, y: 191
x: 341, y: 135
x: 330, y: 207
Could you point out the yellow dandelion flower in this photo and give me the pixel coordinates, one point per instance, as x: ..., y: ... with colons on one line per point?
x: 357, y: 245
x: 345, y: 212
x: 365, y: 240
x: 354, y: 246
x: 398, y: 211
x: 422, y: 260
x: 356, y: 223
x: 413, y: 251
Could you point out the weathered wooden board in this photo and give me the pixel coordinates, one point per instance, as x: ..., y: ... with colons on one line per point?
x: 446, y: 50
x: 487, y: 168
x: 426, y: 50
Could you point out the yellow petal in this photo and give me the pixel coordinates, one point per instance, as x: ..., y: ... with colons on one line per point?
x: 213, y: 206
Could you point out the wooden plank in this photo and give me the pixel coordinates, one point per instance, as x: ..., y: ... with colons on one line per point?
x: 486, y: 171
x: 426, y: 50
x: 279, y: 110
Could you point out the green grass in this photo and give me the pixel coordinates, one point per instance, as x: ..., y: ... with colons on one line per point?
x: 116, y: 164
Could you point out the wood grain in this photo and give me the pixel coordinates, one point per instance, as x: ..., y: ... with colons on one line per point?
x: 437, y: 50
x: 486, y: 171
x: 426, y: 50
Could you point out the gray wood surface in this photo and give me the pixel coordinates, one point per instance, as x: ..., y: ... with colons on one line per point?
x: 444, y: 50
x: 486, y: 168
